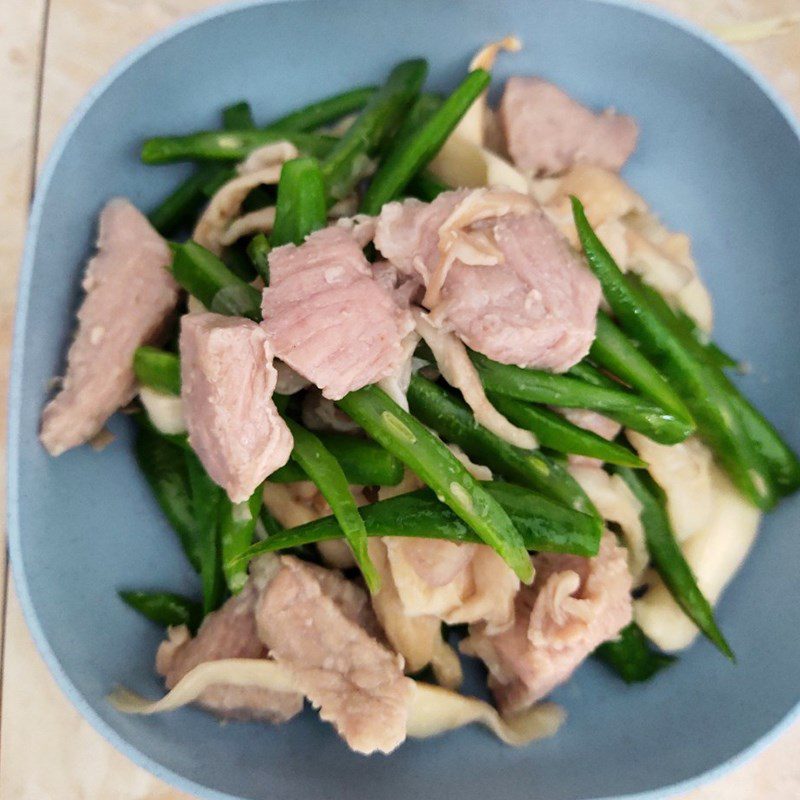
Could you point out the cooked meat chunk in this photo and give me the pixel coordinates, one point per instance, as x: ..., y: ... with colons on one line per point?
x: 547, y: 131
x: 227, y: 380
x: 130, y: 297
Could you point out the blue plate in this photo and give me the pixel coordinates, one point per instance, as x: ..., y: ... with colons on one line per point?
x: 719, y: 158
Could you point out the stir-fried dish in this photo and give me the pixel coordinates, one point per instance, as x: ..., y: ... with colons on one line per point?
x: 417, y: 381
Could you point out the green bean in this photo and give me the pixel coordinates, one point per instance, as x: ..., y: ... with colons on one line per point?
x: 590, y: 374
x: 364, y: 462
x: 632, y: 657
x: 164, y: 467
x: 165, y: 608
x: 323, y: 112
x: 208, y: 505
x: 700, y: 386
x: 206, y: 277
x: 237, y: 525
x: 410, y: 155
x: 229, y: 145
x: 425, y: 454
x: 157, y: 369
x: 557, y: 433
x: 324, y: 470
x: 237, y: 261
x: 258, y: 250
x: 537, y: 386
x: 781, y: 461
x: 453, y: 421
x: 301, y: 208
x: 613, y: 351
x: 180, y: 207
x: 343, y: 165
x: 543, y: 524
x: 713, y: 352
x: 667, y: 558
x: 271, y: 526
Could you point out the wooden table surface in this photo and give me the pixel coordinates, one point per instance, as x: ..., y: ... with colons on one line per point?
x: 51, y: 52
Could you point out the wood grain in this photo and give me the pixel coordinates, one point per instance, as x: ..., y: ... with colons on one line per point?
x: 47, y: 752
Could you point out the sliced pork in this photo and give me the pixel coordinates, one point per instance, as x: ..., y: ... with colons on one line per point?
x: 227, y: 380
x: 498, y: 273
x: 547, y: 131
x: 130, y: 297
x: 229, y: 632
x: 326, y: 316
x: 574, y: 605
x: 357, y: 683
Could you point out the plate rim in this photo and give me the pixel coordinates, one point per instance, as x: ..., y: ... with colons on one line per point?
x: 16, y: 373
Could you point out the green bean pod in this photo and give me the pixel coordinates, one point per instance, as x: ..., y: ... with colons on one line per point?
x: 700, y: 385
x: 454, y: 422
x: 364, y: 462
x: 632, y: 657
x: 668, y: 560
x: 323, y: 112
x: 258, y: 251
x: 544, y: 525
x: 237, y: 526
x: 567, y: 391
x: 343, y: 164
x: 301, y: 208
x: 165, y: 608
x: 324, y: 470
x: 557, y: 433
x: 423, y: 452
x: 238, y: 116
x: 157, y: 369
x: 411, y: 154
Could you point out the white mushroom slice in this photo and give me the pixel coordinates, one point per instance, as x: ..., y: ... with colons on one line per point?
x: 285, y: 507
x: 714, y: 555
x: 164, y: 410
x: 459, y: 371
x: 478, y: 471
x: 261, y: 221
x: 267, y: 156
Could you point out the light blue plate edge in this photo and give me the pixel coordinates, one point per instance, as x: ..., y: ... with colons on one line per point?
x: 15, y: 392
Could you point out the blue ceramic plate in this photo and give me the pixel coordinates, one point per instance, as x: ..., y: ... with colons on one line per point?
x: 719, y: 158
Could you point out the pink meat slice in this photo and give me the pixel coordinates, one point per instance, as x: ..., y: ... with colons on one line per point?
x: 536, y: 308
x: 574, y: 605
x: 356, y: 682
x: 547, y: 131
x: 227, y: 381
x: 328, y: 318
x: 229, y: 632
x: 130, y: 297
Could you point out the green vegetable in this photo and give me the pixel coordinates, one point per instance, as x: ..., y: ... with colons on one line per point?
x: 453, y: 420
x: 344, y: 163
x: 364, y: 462
x: 667, y: 558
x: 700, y: 386
x: 557, y: 433
x: 164, y: 467
x: 208, y: 505
x: 613, y: 351
x: 229, y: 145
x: 237, y: 525
x: 205, y: 276
x: 271, y: 526
x: 157, y: 369
x: 411, y: 154
x: 323, y: 112
x: 542, y: 524
x: 258, y: 251
x: 165, y: 608
x: 537, y: 386
x: 301, y: 207
x: 632, y: 657
x: 424, y: 453
x: 324, y: 470
x: 426, y: 186
x: 713, y: 352
x: 181, y: 207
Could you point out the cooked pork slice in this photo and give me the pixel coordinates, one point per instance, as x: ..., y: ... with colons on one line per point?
x: 130, y: 297
x: 327, y: 317
x: 227, y: 380
x: 229, y: 632
x: 547, y: 131
x: 574, y: 605
x: 506, y: 281
x: 357, y: 683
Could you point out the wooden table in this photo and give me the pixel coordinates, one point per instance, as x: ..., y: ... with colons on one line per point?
x: 51, y: 51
